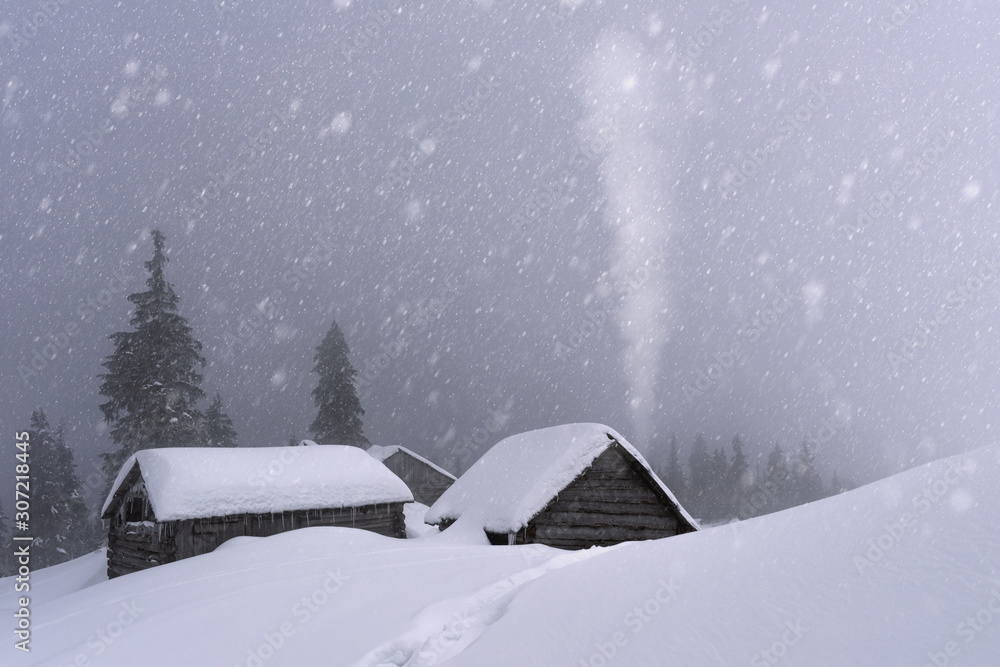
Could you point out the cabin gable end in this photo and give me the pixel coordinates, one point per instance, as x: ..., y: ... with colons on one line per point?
x: 614, y: 500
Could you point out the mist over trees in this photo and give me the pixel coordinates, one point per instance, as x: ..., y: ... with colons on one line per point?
x: 339, y: 418
x: 153, y: 387
x: 719, y: 485
x: 219, y: 429
x: 6, y: 556
x: 153, y: 383
x: 59, y: 520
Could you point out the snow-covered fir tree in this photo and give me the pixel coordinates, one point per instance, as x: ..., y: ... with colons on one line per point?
x: 699, y: 477
x: 738, y: 479
x: 60, y: 523
x: 340, y: 412
x: 6, y: 560
x: 153, y: 383
x: 674, y: 473
x: 219, y: 430
x: 808, y: 483
x: 777, y: 482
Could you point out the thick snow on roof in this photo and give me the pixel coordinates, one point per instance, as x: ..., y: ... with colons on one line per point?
x: 918, y: 552
x: 380, y: 453
x: 518, y: 477
x: 192, y: 482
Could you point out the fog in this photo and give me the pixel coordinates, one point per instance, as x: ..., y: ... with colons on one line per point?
x: 775, y: 221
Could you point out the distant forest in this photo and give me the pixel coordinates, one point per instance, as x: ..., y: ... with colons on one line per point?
x: 152, y: 385
x: 716, y: 487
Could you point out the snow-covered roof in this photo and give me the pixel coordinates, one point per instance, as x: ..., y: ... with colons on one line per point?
x: 193, y: 482
x: 380, y: 453
x: 519, y: 475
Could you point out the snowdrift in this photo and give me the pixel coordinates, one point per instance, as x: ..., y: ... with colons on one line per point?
x: 902, y: 572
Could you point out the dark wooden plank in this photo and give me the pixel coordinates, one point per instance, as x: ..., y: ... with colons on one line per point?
x: 127, y: 550
x: 141, y: 543
x: 587, y: 486
x: 599, y: 505
x: 607, y: 533
x: 145, y: 543
x: 648, y: 521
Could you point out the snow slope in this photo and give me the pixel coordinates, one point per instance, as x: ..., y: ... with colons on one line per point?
x: 886, y: 575
x: 902, y: 572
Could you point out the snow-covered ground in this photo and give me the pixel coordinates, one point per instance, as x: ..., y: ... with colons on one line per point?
x: 902, y: 572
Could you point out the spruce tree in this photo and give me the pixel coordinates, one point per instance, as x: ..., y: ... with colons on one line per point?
x: 836, y: 486
x: 219, y: 431
x: 6, y: 561
x: 718, y: 495
x: 152, y: 383
x: 808, y: 483
x: 737, y: 479
x: 76, y: 528
x: 674, y: 475
x: 700, y: 481
x: 62, y: 529
x: 340, y: 412
x: 777, y: 482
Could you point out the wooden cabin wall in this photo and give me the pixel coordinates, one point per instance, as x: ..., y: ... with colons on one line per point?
x: 608, y: 504
x: 426, y: 484
x: 137, y: 546
x: 132, y: 548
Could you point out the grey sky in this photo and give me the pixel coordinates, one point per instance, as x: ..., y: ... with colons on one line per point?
x: 465, y: 281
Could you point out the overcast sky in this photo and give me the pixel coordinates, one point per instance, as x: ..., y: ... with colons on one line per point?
x: 746, y: 218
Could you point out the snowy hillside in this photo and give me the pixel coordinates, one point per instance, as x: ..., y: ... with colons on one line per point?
x: 902, y: 572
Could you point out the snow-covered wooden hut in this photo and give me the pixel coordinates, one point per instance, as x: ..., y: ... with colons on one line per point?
x: 426, y: 480
x: 571, y: 486
x: 173, y: 503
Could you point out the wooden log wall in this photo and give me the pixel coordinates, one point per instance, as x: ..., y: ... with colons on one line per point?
x: 426, y: 484
x: 138, y: 546
x: 610, y: 503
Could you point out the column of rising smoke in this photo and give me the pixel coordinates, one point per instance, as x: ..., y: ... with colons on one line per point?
x: 627, y: 117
